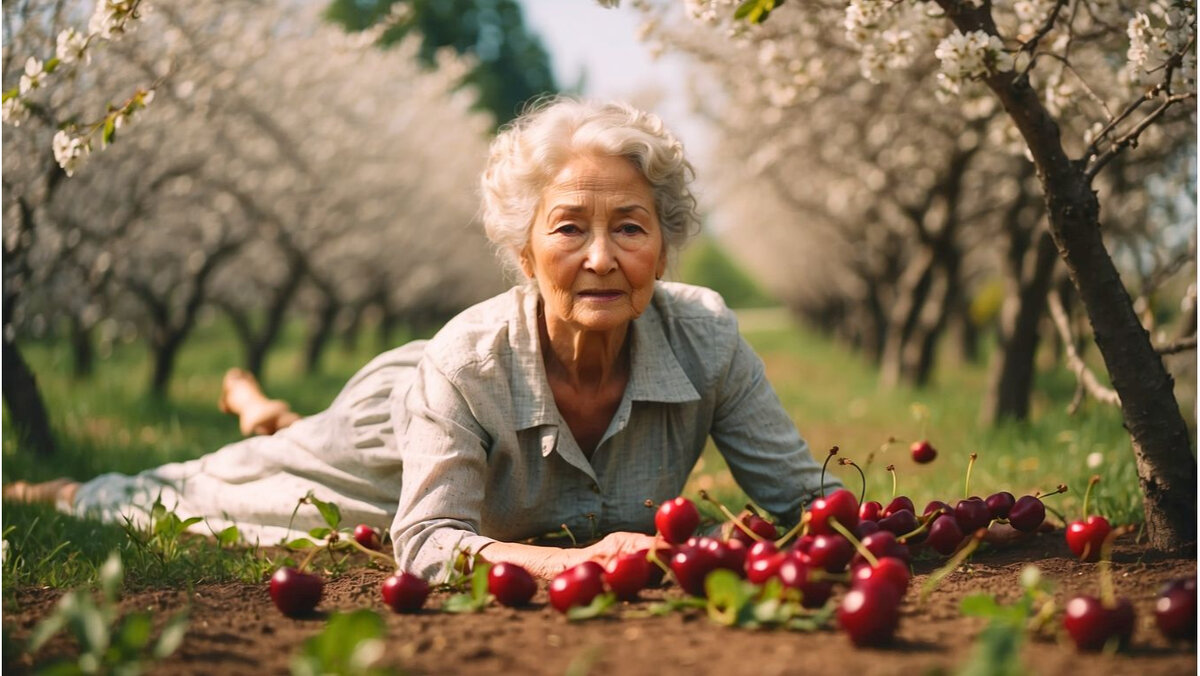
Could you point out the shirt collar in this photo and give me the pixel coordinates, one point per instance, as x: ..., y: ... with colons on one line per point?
x: 655, y: 373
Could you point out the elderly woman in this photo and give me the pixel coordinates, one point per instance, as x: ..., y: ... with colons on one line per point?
x: 571, y: 399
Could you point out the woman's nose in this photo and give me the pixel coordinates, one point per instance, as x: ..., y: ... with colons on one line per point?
x: 600, y: 257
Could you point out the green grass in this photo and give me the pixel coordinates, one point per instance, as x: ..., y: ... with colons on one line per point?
x: 108, y: 423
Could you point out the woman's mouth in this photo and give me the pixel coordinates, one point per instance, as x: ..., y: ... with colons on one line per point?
x: 600, y: 294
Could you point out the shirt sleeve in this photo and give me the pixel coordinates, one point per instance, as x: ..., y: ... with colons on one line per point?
x: 444, y: 453
x: 765, y: 452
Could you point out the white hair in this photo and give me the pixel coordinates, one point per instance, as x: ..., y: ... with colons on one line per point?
x: 531, y: 151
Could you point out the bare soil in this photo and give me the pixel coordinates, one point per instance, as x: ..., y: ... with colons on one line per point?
x: 235, y: 629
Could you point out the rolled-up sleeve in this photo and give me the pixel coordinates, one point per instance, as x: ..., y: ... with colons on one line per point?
x: 765, y: 452
x: 444, y: 451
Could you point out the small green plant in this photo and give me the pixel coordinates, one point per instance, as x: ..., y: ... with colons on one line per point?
x: 351, y: 644
x: 107, y: 642
x: 477, y: 597
x: 999, y: 650
x: 163, y: 538
x: 335, y: 539
x: 734, y: 602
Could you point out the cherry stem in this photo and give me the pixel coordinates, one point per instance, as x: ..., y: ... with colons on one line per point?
x: 370, y: 552
x: 967, y: 483
x: 1061, y: 488
x: 915, y: 532
x: 858, y: 545
x: 1108, y: 594
x: 571, y: 535
x: 737, y: 523
x: 862, y: 477
x: 308, y: 559
x: 793, y: 530
x: 832, y: 452
x: 891, y: 470
x: 753, y: 510
x: 652, y: 557
x: 1087, y: 495
x: 955, y: 561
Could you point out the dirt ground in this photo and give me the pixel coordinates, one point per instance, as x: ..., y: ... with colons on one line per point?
x: 235, y: 629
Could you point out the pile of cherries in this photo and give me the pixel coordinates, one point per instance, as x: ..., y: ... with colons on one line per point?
x: 867, y: 547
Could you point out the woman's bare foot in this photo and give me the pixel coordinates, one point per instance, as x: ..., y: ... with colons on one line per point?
x: 48, y: 492
x: 242, y: 396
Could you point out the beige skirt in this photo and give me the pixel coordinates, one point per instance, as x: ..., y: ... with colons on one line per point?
x: 345, y: 454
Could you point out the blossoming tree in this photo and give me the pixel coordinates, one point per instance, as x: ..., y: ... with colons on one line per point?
x: 1081, y: 83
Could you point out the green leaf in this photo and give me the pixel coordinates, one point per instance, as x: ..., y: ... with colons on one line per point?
x: 460, y: 603
x: 329, y: 511
x: 172, y: 636
x: 599, y: 606
x: 11, y: 94
x: 134, y: 632
x: 229, y: 536
x: 51, y: 65
x: 191, y: 521
x: 479, y: 580
x: 49, y: 627
x: 728, y: 597
x: 979, y: 605
x: 320, y: 533
x: 112, y: 577
x: 300, y: 543
x: 755, y: 11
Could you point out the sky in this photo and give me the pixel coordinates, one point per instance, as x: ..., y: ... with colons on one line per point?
x: 584, y: 38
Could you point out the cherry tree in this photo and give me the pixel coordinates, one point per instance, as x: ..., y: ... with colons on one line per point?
x: 1080, y: 84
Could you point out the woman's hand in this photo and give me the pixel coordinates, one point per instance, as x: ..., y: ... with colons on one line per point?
x: 616, y: 544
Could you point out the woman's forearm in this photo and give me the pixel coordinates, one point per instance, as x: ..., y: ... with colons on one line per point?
x: 542, y: 562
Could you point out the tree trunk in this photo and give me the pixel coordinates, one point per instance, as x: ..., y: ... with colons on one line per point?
x: 165, y: 351
x: 1012, y: 373
x: 319, y: 337
x: 1162, y: 445
x: 26, y: 409
x: 911, y: 291
x: 83, y: 353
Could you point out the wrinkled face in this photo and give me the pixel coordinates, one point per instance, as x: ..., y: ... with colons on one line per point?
x: 595, y: 246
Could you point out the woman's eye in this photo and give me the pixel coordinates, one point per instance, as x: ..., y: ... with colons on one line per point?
x: 631, y: 229
x: 568, y: 229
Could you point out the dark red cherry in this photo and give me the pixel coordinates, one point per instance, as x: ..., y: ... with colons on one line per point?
x: 405, y: 592
x: 294, y: 592
x: 1027, y: 514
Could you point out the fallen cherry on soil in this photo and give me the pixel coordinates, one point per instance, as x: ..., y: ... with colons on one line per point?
x: 576, y: 586
x: 1085, y: 537
x: 1000, y: 503
x: 405, y: 592
x: 511, y: 584
x: 628, y: 574
x: 1092, y: 624
x: 1175, y: 610
x: 840, y: 505
x: 870, y: 612
x: 295, y: 592
x: 1027, y: 514
x: 367, y: 536
x: 677, y: 519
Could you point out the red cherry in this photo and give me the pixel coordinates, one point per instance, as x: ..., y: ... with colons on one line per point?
x: 898, y: 503
x: 939, y: 507
x: 367, y: 536
x: 870, y: 612
x: 628, y: 574
x: 511, y: 584
x: 944, y: 535
x: 922, y: 451
x: 1000, y: 503
x: 1027, y: 514
x: 869, y: 511
x: 899, y: 522
x: 576, y: 586
x: 763, y: 568
x: 1091, y: 624
x: 295, y: 593
x: 840, y: 505
x: 1175, y: 610
x: 795, y: 574
x: 758, y: 525
x: 761, y: 550
x: 677, y: 519
x: 972, y: 514
x: 890, y: 570
x: 405, y: 592
x: 1084, y: 538
x: 691, y: 565
x: 865, y: 528
x: 831, y: 553
x: 884, y: 545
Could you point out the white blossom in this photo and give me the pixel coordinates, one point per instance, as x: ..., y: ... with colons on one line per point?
x: 15, y: 111
x: 31, y: 79
x: 1095, y: 459
x: 69, y: 151
x: 111, y: 18
x: 970, y: 56
x: 72, y: 47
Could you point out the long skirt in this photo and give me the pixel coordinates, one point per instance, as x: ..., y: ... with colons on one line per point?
x: 346, y: 455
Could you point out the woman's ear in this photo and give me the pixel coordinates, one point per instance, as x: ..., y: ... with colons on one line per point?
x: 662, y: 265
x: 526, y: 261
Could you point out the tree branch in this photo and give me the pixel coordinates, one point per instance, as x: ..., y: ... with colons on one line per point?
x: 1131, y: 137
x: 1177, y: 346
x: 1083, y: 375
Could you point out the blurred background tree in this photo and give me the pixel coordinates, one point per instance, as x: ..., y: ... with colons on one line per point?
x: 511, y: 66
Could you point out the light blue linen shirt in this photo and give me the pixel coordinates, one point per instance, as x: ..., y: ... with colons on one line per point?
x: 488, y: 457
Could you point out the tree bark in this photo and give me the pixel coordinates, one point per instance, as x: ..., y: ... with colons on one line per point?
x: 83, y: 352
x: 1162, y: 445
x: 26, y: 409
x: 319, y: 336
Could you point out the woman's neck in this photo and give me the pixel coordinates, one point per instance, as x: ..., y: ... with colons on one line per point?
x: 584, y: 360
